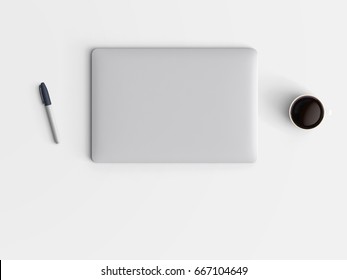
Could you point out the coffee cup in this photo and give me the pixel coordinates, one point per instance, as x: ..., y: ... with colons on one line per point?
x: 306, y: 111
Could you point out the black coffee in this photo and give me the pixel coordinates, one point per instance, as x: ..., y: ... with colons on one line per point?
x: 307, y: 112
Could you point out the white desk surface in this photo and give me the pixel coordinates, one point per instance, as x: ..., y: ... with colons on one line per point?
x: 56, y: 203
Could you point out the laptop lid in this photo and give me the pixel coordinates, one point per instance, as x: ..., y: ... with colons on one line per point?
x: 174, y: 105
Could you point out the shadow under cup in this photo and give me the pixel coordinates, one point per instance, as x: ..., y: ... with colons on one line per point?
x: 306, y: 112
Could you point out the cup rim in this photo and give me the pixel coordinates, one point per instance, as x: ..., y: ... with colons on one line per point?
x: 299, y: 97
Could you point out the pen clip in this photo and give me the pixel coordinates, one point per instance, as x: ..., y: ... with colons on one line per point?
x: 41, y: 96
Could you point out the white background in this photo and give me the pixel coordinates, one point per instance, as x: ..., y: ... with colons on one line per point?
x: 56, y: 203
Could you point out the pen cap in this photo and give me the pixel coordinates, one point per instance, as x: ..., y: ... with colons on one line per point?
x: 44, y: 95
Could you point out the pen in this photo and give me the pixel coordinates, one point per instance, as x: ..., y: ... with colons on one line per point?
x: 47, y: 102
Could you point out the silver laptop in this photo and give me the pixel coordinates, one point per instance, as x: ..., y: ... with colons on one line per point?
x: 174, y: 105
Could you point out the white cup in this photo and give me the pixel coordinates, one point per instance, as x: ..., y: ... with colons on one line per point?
x: 306, y: 111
